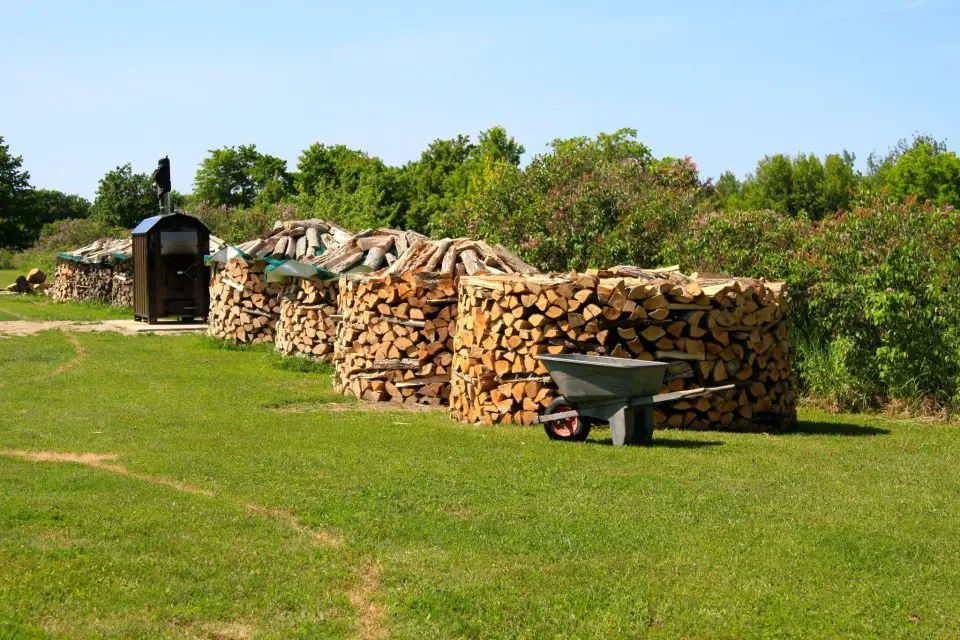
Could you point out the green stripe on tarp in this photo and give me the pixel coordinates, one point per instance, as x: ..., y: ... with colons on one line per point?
x: 323, y: 274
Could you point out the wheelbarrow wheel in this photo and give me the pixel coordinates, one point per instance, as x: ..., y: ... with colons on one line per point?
x: 575, y: 429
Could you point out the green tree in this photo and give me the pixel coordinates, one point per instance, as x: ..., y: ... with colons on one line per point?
x: 333, y: 178
x: 801, y: 185
x: 452, y: 171
x: 923, y: 168
x: 242, y: 177
x: 124, y: 198
x: 729, y: 191
x: 434, y: 183
x: 50, y: 205
x: 15, y: 205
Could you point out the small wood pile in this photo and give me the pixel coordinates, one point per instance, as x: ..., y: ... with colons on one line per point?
x: 86, y: 274
x: 244, y: 307
x: 712, y: 331
x: 396, y: 338
x: 308, y: 321
x: 34, y: 282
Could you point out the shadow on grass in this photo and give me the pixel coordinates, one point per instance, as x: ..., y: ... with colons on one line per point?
x: 836, y: 429
x: 667, y: 443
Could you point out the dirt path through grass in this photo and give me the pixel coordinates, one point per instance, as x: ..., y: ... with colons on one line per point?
x: 30, y: 327
x: 362, y: 595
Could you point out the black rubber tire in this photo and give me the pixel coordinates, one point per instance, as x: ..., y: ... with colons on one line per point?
x: 581, y: 426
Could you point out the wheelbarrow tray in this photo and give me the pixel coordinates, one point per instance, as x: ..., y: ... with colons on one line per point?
x: 583, y: 378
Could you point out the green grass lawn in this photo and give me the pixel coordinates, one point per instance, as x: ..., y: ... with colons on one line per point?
x: 43, y: 308
x: 9, y: 276
x: 247, y: 501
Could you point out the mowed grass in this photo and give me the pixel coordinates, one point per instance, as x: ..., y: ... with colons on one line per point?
x: 9, y: 276
x: 43, y: 308
x: 256, y: 504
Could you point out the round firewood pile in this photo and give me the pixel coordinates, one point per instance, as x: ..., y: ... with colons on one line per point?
x: 396, y: 338
x: 395, y: 341
x: 713, y: 332
x: 307, y: 325
x: 244, y: 307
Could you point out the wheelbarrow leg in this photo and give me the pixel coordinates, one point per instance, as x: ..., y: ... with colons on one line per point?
x: 622, y: 424
x: 643, y: 426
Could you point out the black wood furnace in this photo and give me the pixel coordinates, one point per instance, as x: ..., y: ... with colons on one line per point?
x: 170, y: 279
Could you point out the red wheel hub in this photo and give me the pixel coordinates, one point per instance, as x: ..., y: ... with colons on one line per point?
x: 568, y: 426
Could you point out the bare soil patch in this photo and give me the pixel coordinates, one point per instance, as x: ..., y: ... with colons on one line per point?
x: 126, y: 327
x: 320, y: 536
x: 371, y: 624
x: 100, y: 461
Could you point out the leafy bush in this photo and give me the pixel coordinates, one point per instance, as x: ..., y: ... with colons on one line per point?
x: 235, y: 225
x: 885, y: 281
x: 588, y: 203
x: 65, y: 235
x: 754, y: 244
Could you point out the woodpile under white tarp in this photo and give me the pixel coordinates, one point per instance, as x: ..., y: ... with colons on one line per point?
x: 712, y: 331
x: 396, y: 337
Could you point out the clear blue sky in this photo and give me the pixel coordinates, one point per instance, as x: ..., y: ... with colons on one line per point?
x: 91, y: 85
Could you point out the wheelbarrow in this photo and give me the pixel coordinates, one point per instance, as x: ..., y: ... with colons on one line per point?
x: 617, y: 391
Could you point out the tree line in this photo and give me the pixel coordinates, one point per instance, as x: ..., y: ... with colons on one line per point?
x: 454, y: 178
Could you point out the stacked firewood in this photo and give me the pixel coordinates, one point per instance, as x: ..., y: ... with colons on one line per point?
x: 86, y: 274
x: 396, y: 337
x: 307, y: 325
x: 81, y: 282
x: 309, y: 318
x: 713, y: 332
x: 63, y: 281
x: 244, y: 307
x: 121, y: 294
